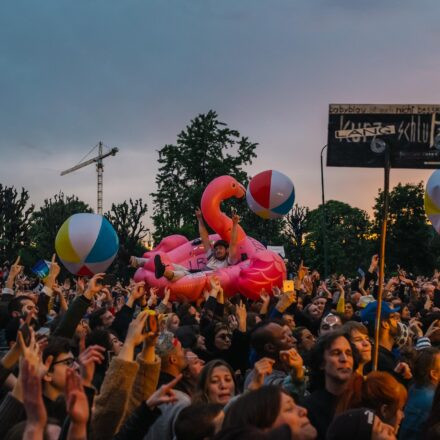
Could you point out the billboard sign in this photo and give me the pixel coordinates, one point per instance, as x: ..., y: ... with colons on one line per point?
x: 411, y: 131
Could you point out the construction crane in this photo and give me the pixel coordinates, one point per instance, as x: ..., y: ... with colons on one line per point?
x: 99, y: 169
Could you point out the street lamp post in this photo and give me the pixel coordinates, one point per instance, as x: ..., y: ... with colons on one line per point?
x: 324, y: 216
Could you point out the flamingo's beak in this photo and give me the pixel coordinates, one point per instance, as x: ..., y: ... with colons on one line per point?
x: 241, y: 191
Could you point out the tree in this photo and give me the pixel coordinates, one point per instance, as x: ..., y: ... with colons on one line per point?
x: 206, y: 149
x: 15, y: 219
x: 126, y: 218
x: 48, y: 219
x: 411, y: 242
x: 348, y: 232
x: 294, y: 232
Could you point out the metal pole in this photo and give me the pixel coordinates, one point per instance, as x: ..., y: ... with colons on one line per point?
x: 382, y: 256
x: 99, y: 170
x: 324, y: 221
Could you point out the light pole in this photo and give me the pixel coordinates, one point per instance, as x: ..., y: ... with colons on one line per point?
x: 324, y: 217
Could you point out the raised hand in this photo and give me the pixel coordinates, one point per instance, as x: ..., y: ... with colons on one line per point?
x: 235, y: 219
x: 77, y: 405
x: 262, y: 368
x: 152, y: 300
x: 14, y: 271
x: 54, y: 271
x: 404, y: 370
x: 32, y: 396
x: 164, y: 394
x: 293, y: 360
x: 92, y: 355
x: 94, y: 286
x: 265, y: 298
x: 241, y: 313
x: 285, y: 301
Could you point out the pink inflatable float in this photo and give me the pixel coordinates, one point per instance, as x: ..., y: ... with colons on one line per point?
x: 259, y: 268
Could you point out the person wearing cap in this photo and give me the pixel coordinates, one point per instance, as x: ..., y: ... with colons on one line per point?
x: 360, y: 424
x: 218, y: 255
x: 389, y: 332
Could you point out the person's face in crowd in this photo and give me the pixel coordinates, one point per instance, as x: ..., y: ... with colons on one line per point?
x: 82, y: 329
x: 362, y: 342
x: 194, y: 313
x: 194, y: 364
x: 179, y: 357
x: 291, y: 340
x: 434, y: 372
x: 314, y: 311
x: 296, y: 417
x: 281, y: 337
x: 201, y: 343
x: 116, y: 344
x: 107, y: 319
x: 221, y: 387
x: 320, y: 303
x: 220, y: 252
x: 308, y: 340
x: 223, y: 339
x: 173, y: 323
x: 299, y: 304
x: 405, y: 314
x: 428, y: 289
x: 289, y: 320
x: 338, y: 360
x: 56, y: 376
x: 28, y: 306
x: 348, y: 311
x: 393, y: 326
x: 329, y: 323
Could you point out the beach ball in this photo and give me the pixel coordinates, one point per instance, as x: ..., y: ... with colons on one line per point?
x: 432, y: 199
x: 270, y: 194
x: 86, y: 244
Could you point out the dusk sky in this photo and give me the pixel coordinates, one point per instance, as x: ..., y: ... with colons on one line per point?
x: 133, y: 73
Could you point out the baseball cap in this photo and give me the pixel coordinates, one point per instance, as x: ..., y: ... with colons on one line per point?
x: 221, y: 243
x: 368, y: 315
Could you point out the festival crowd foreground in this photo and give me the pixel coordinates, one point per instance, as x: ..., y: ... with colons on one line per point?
x: 85, y: 360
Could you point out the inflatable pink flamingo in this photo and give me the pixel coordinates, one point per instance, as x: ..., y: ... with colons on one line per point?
x: 259, y: 268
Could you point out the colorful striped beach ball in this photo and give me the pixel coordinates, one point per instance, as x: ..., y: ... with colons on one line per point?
x: 86, y: 244
x: 270, y: 194
x: 432, y: 199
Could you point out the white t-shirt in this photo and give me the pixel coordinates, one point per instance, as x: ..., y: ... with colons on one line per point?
x: 214, y: 264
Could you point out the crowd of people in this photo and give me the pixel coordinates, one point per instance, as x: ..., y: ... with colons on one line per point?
x: 83, y: 359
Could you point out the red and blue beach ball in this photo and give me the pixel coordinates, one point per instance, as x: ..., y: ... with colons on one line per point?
x: 270, y: 194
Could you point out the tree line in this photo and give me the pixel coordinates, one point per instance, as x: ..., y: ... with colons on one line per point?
x: 208, y: 148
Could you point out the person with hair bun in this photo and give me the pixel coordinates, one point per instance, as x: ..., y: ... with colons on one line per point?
x: 378, y: 391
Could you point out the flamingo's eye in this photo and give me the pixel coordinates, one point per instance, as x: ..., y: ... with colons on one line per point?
x: 233, y: 185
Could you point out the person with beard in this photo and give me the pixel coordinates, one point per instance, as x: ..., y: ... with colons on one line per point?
x: 333, y: 361
x: 219, y: 255
x: 389, y: 331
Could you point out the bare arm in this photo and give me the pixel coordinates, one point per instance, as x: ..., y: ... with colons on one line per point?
x: 204, y: 235
x: 233, y: 257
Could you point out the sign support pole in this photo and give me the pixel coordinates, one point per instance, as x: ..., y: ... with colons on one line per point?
x: 324, y: 217
x: 382, y: 255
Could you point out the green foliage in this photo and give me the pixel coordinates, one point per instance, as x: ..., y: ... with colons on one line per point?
x: 48, y: 219
x: 294, y: 232
x: 14, y: 222
x: 206, y: 149
x: 348, y: 231
x: 126, y: 218
x: 411, y: 241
